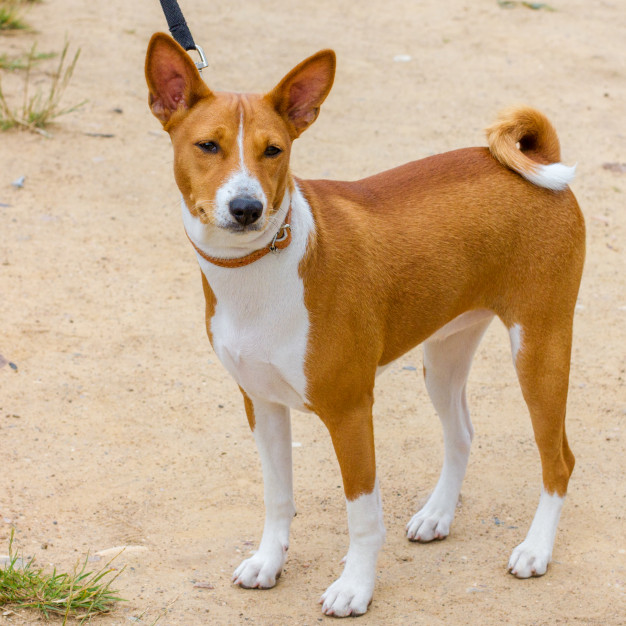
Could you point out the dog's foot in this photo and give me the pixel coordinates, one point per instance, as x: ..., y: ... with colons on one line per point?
x: 428, y: 524
x: 532, y: 556
x: 348, y: 595
x: 529, y: 559
x: 260, y: 571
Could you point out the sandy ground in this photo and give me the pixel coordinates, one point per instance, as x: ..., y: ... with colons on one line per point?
x: 120, y: 427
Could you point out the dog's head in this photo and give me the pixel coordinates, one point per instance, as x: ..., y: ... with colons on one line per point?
x: 231, y: 151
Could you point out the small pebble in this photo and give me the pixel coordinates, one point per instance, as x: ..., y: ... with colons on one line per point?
x: 602, y: 219
x: 618, y: 168
x: 115, y: 551
x: 203, y: 585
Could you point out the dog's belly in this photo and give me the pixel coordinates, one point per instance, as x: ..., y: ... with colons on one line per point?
x: 265, y: 362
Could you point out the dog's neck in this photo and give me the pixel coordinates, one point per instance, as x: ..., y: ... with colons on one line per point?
x: 266, y: 279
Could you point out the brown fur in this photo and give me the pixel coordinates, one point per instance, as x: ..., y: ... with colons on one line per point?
x: 398, y: 255
x: 513, y: 248
x: 249, y: 409
x: 537, y: 139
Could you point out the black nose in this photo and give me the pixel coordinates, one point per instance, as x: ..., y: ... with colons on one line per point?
x: 245, y: 210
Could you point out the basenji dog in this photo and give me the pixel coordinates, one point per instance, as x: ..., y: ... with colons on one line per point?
x: 312, y: 287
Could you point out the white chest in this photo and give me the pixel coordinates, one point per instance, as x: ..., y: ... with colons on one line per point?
x: 260, y: 326
x: 263, y: 346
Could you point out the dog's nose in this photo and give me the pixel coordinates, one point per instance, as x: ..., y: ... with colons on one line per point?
x: 245, y: 210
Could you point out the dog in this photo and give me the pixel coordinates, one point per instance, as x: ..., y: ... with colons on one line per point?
x: 313, y: 287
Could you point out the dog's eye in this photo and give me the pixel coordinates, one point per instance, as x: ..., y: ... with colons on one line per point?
x: 208, y: 146
x: 272, y: 151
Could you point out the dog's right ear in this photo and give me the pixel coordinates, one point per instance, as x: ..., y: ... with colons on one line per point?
x: 173, y: 79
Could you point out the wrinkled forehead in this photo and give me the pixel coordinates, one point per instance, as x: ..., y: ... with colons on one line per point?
x: 226, y: 115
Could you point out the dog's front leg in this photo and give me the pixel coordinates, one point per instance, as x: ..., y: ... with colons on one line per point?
x: 353, y: 438
x: 271, y: 425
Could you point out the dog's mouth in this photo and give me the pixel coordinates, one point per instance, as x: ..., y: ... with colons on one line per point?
x: 224, y: 230
x: 239, y: 229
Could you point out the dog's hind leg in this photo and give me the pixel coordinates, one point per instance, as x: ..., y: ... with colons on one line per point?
x: 271, y: 425
x: 448, y: 357
x: 541, y: 353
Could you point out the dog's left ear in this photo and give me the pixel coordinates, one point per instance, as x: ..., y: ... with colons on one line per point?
x: 173, y: 79
x: 300, y: 94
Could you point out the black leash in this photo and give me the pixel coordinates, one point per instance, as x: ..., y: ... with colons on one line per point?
x: 180, y: 31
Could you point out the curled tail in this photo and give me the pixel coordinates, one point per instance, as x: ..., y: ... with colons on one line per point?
x: 521, y: 131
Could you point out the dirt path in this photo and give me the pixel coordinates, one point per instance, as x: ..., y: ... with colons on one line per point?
x: 121, y: 428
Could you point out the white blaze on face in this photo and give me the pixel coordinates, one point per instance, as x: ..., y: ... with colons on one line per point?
x: 239, y: 184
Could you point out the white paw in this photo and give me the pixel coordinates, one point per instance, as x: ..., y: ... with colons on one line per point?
x: 348, y: 595
x: 429, y: 524
x: 260, y: 571
x: 529, y: 559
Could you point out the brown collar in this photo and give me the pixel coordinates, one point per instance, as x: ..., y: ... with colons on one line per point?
x: 281, y: 240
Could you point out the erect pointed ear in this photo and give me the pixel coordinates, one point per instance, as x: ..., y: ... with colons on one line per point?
x: 173, y: 79
x: 300, y: 94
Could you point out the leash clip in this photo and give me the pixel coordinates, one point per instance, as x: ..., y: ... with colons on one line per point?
x: 202, y: 63
x: 283, y: 232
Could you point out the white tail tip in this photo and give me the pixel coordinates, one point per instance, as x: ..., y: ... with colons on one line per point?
x: 555, y: 176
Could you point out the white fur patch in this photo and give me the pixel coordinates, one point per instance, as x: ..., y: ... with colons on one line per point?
x: 532, y: 556
x: 240, y: 183
x: 242, y: 164
x: 448, y: 357
x: 272, y: 434
x: 260, y: 327
x: 352, y: 592
x: 555, y: 176
x: 515, y: 335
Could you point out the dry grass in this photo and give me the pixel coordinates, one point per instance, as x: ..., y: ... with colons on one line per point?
x: 22, y: 61
x: 40, y: 109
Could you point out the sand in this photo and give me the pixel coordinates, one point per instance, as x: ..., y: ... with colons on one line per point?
x: 121, y: 428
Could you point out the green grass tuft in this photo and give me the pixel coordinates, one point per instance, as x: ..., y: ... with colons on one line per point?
x: 10, y: 18
x: 535, y: 6
x: 80, y: 595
